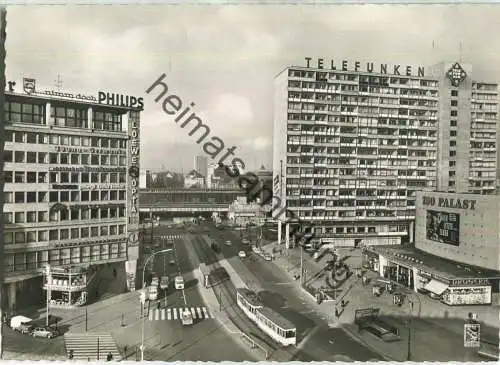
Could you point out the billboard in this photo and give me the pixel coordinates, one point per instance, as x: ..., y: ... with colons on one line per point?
x: 443, y: 227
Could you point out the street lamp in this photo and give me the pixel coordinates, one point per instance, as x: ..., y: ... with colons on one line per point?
x: 143, y: 286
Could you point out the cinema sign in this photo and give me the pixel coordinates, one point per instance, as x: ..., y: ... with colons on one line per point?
x: 453, y: 203
x: 366, y: 67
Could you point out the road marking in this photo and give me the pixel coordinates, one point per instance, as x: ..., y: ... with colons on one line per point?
x: 169, y: 314
x: 193, y: 312
x: 205, y: 312
x: 157, y: 315
x: 200, y: 315
x: 150, y: 317
x: 184, y: 296
x: 175, y: 313
x: 162, y: 314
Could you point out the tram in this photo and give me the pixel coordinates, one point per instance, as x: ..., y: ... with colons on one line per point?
x: 271, y: 323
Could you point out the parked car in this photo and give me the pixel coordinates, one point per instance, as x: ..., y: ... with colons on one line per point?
x: 242, y: 254
x: 43, y: 332
x: 256, y: 250
x: 171, y: 262
x: 164, y: 282
x: 268, y: 257
x: 21, y: 324
x: 179, y: 283
x: 228, y: 243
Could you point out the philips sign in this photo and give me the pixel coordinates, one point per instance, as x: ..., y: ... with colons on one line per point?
x: 120, y: 100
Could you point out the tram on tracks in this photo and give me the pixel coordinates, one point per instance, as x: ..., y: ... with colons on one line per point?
x: 271, y: 323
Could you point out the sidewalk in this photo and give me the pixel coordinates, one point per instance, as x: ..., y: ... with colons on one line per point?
x: 437, y: 335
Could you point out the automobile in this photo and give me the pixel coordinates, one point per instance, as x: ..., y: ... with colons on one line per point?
x: 268, y: 257
x: 179, y: 283
x: 171, y: 262
x: 155, y: 281
x: 186, y: 318
x: 242, y: 254
x: 245, y: 241
x: 256, y: 250
x: 43, y: 332
x: 164, y: 282
x: 228, y: 243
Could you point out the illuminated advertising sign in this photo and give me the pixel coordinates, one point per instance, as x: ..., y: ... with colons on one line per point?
x: 366, y: 67
x: 120, y: 100
x: 443, y: 227
x: 133, y: 168
x: 453, y: 203
x: 90, y: 150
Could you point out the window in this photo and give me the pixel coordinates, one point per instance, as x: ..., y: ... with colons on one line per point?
x: 43, y: 216
x: 31, y: 237
x: 74, y: 159
x: 85, y: 196
x: 453, y: 113
x: 75, y: 233
x: 69, y: 117
x: 42, y: 177
x: 53, y: 197
x: 19, y: 217
x: 453, y: 153
x: 19, y: 137
x: 19, y: 156
x: 8, y: 156
x: 53, y: 158
x: 8, y: 197
x: 30, y: 137
x: 75, y: 177
x: 94, y: 231
x: 107, y: 120
x: 94, y: 160
x: 31, y: 217
x: 19, y: 197
x: 8, y: 218
x: 454, y: 103
x: 19, y: 237
x: 24, y: 112
x: 84, y: 232
x: 453, y: 133
x: 31, y: 157
x: 9, y: 177
x: 65, y: 196
x: 75, y: 141
x: 64, y: 177
x: 31, y: 177
x: 453, y: 143
x: 54, y: 234
x: 64, y: 158
x: 19, y: 177
x: 42, y: 157
x: 85, y: 159
x: 31, y: 197
x: 454, y: 92
x: 452, y: 163
x: 64, y: 234
x: 42, y: 197
x: 43, y: 236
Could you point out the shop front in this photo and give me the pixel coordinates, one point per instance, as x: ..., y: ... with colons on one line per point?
x: 458, y: 291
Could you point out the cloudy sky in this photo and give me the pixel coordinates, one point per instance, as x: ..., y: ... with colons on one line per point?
x: 224, y: 59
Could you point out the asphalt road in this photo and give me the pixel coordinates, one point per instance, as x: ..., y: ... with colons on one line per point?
x: 169, y: 340
x: 316, y: 341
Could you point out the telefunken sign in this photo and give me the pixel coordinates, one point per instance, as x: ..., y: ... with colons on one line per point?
x: 449, y: 203
x: 29, y: 87
x: 366, y: 67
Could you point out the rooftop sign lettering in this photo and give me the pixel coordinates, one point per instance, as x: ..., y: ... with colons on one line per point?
x: 449, y: 203
x: 366, y: 67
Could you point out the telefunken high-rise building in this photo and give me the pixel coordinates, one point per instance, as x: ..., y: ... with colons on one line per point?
x: 354, y: 142
x: 71, y: 192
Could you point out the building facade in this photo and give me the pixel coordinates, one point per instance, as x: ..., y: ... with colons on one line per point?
x: 71, y: 170
x: 460, y: 227
x: 201, y: 165
x: 353, y: 146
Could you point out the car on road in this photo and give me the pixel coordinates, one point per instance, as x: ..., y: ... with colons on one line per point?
x: 155, y: 281
x: 228, y: 243
x: 171, y: 262
x: 43, y: 332
x: 242, y: 254
x: 267, y: 257
x: 179, y: 283
x: 186, y: 318
x: 164, y: 282
x: 256, y: 250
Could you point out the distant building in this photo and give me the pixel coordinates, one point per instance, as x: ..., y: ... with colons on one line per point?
x: 242, y: 212
x: 201, y: 165
x: 166, y: 180
x: 264, y: 190
x: 194, y: 180
x: 217, y: 178
x: 143, y: 179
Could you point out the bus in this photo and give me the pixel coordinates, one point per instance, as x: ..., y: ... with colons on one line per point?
x: 271, y: 323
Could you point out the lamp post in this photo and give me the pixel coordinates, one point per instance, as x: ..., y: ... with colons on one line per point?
x: 143, y: 285
x: 408, y: 355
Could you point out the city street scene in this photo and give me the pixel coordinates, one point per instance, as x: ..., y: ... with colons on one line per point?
x: 250, y: 183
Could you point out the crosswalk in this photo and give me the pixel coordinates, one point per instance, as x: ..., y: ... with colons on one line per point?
x: 91, y: 346
x: 172, y: 314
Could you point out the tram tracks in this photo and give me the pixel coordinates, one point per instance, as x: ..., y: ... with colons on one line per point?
x: 226, y: 292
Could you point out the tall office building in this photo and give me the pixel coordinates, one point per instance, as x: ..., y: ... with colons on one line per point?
x: 354, y: 143
x: 201, y: 165
x: 71, y: 192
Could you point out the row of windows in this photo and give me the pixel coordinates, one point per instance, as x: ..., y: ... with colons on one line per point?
x: 40, y: 177
x: 22, y: 237
x: 79, y: 213
x: 22, y: 197
x: 34, y: 113
x: 28, y: 261
x: 64, y: 158
x: 63, y: 139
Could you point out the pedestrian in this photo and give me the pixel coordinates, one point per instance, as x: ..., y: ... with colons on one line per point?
x: 71, y: 354
x: 342, y: 303
x: 109, y: 357
x: 158, y: 305
x: 337, y: 314
x: 125, y: 351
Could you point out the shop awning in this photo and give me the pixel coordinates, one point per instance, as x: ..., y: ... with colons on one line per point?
x: 436, y: 287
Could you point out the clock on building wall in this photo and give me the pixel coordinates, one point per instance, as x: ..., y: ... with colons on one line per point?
x: 456, y: 74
